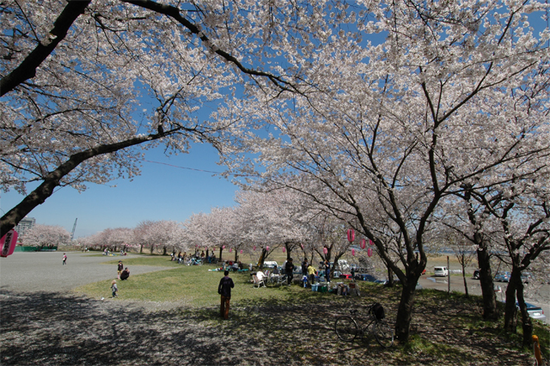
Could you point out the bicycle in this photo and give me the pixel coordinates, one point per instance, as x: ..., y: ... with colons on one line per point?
x: 276, y: 280
x: 347, y: 329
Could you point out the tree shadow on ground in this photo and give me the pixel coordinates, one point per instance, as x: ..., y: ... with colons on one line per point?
x: 60, y: 329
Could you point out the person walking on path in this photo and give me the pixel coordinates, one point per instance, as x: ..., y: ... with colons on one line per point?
x: 119, y: 269
x: 224, y: 289
x: 114, y: 288
x: 64, y: 258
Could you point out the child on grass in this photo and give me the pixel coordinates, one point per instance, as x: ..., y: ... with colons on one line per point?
x: 114, y: 288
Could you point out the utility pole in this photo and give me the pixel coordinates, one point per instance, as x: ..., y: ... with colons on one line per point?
x: 448, y: 275
x: 74, y: 228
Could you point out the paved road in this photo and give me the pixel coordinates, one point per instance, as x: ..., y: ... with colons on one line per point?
x: 538, y: 298
x: 43, y: 271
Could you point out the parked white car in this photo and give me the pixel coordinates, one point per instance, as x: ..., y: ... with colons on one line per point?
x: 441, y: 271
x: 270, y: 264
x: 343, y: 265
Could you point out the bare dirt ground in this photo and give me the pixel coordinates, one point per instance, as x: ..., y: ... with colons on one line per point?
x: 42, y: 323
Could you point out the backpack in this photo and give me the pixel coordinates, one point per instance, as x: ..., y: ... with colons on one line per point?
x: 378, y: 311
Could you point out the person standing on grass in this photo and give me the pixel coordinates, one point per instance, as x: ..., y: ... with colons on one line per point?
x: 119, y: 268
x: 327, y: 270
x: 311, y: 271
x: 289, y: 271
x: 64, y: 258
x: 224, y: 289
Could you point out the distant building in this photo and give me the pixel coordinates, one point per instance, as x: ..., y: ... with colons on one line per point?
x: 25, y: 225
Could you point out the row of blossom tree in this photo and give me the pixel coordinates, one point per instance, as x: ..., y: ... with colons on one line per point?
x: 283, y: 219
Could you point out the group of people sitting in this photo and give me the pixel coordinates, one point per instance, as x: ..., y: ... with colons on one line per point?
x: 189, y: 259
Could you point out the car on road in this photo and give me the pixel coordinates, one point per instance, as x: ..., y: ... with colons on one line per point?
x: 502, y: 276
x: 365, y: 277
x: 534, y: 311
x: 476, y: 274
x: 441, y: 271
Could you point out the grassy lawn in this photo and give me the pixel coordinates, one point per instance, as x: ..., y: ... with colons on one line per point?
x: 193, y: 286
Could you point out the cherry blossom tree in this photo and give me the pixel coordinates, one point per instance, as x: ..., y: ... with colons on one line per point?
x: 158, y: 235
x: 448, y: 97
x: 214, y: 229
x: 46, y: 236
x: 520, y: 208
x: 469, y: 219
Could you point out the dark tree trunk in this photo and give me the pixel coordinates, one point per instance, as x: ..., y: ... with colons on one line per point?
x: 390, y: 282
x: 510, y: 310
x: 288, y: 251
x: 526, y: 323
x: 465, y: 283
x: 262, y: 258
x: 405, y: 311
x: 487, y: 286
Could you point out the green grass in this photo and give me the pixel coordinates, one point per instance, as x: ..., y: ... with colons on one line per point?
x: 193, y: 286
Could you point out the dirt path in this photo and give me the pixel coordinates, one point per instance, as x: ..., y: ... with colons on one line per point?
x: 43, y: 271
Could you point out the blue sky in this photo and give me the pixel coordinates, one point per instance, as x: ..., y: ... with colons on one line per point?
x: 161, y: 192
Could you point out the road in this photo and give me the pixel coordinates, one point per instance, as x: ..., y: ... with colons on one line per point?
x: 539, y: 296
x: 43, y: 271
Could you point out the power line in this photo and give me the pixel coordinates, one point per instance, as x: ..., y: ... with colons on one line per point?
x: 182, y: 167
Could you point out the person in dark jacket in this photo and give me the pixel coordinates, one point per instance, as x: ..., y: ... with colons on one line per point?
x: 119, y: 268
x: 125, y: 274
x: 224, y: 289
x: 289, y: 270
x: 304, y: 267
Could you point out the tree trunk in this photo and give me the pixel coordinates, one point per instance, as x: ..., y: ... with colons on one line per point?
x: 404, y: 312
x: 262, y: 258
x: 221, y: 250
x: 487, y: 286
x: 390, y: 282
x: 510, y: 315
x: 526, y: 323
x: 464, y: 279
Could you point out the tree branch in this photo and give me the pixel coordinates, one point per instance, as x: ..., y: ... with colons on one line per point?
x: 53, y: 179
x: 27, y: 69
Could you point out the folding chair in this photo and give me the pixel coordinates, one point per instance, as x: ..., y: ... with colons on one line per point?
x: 257, y: 282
